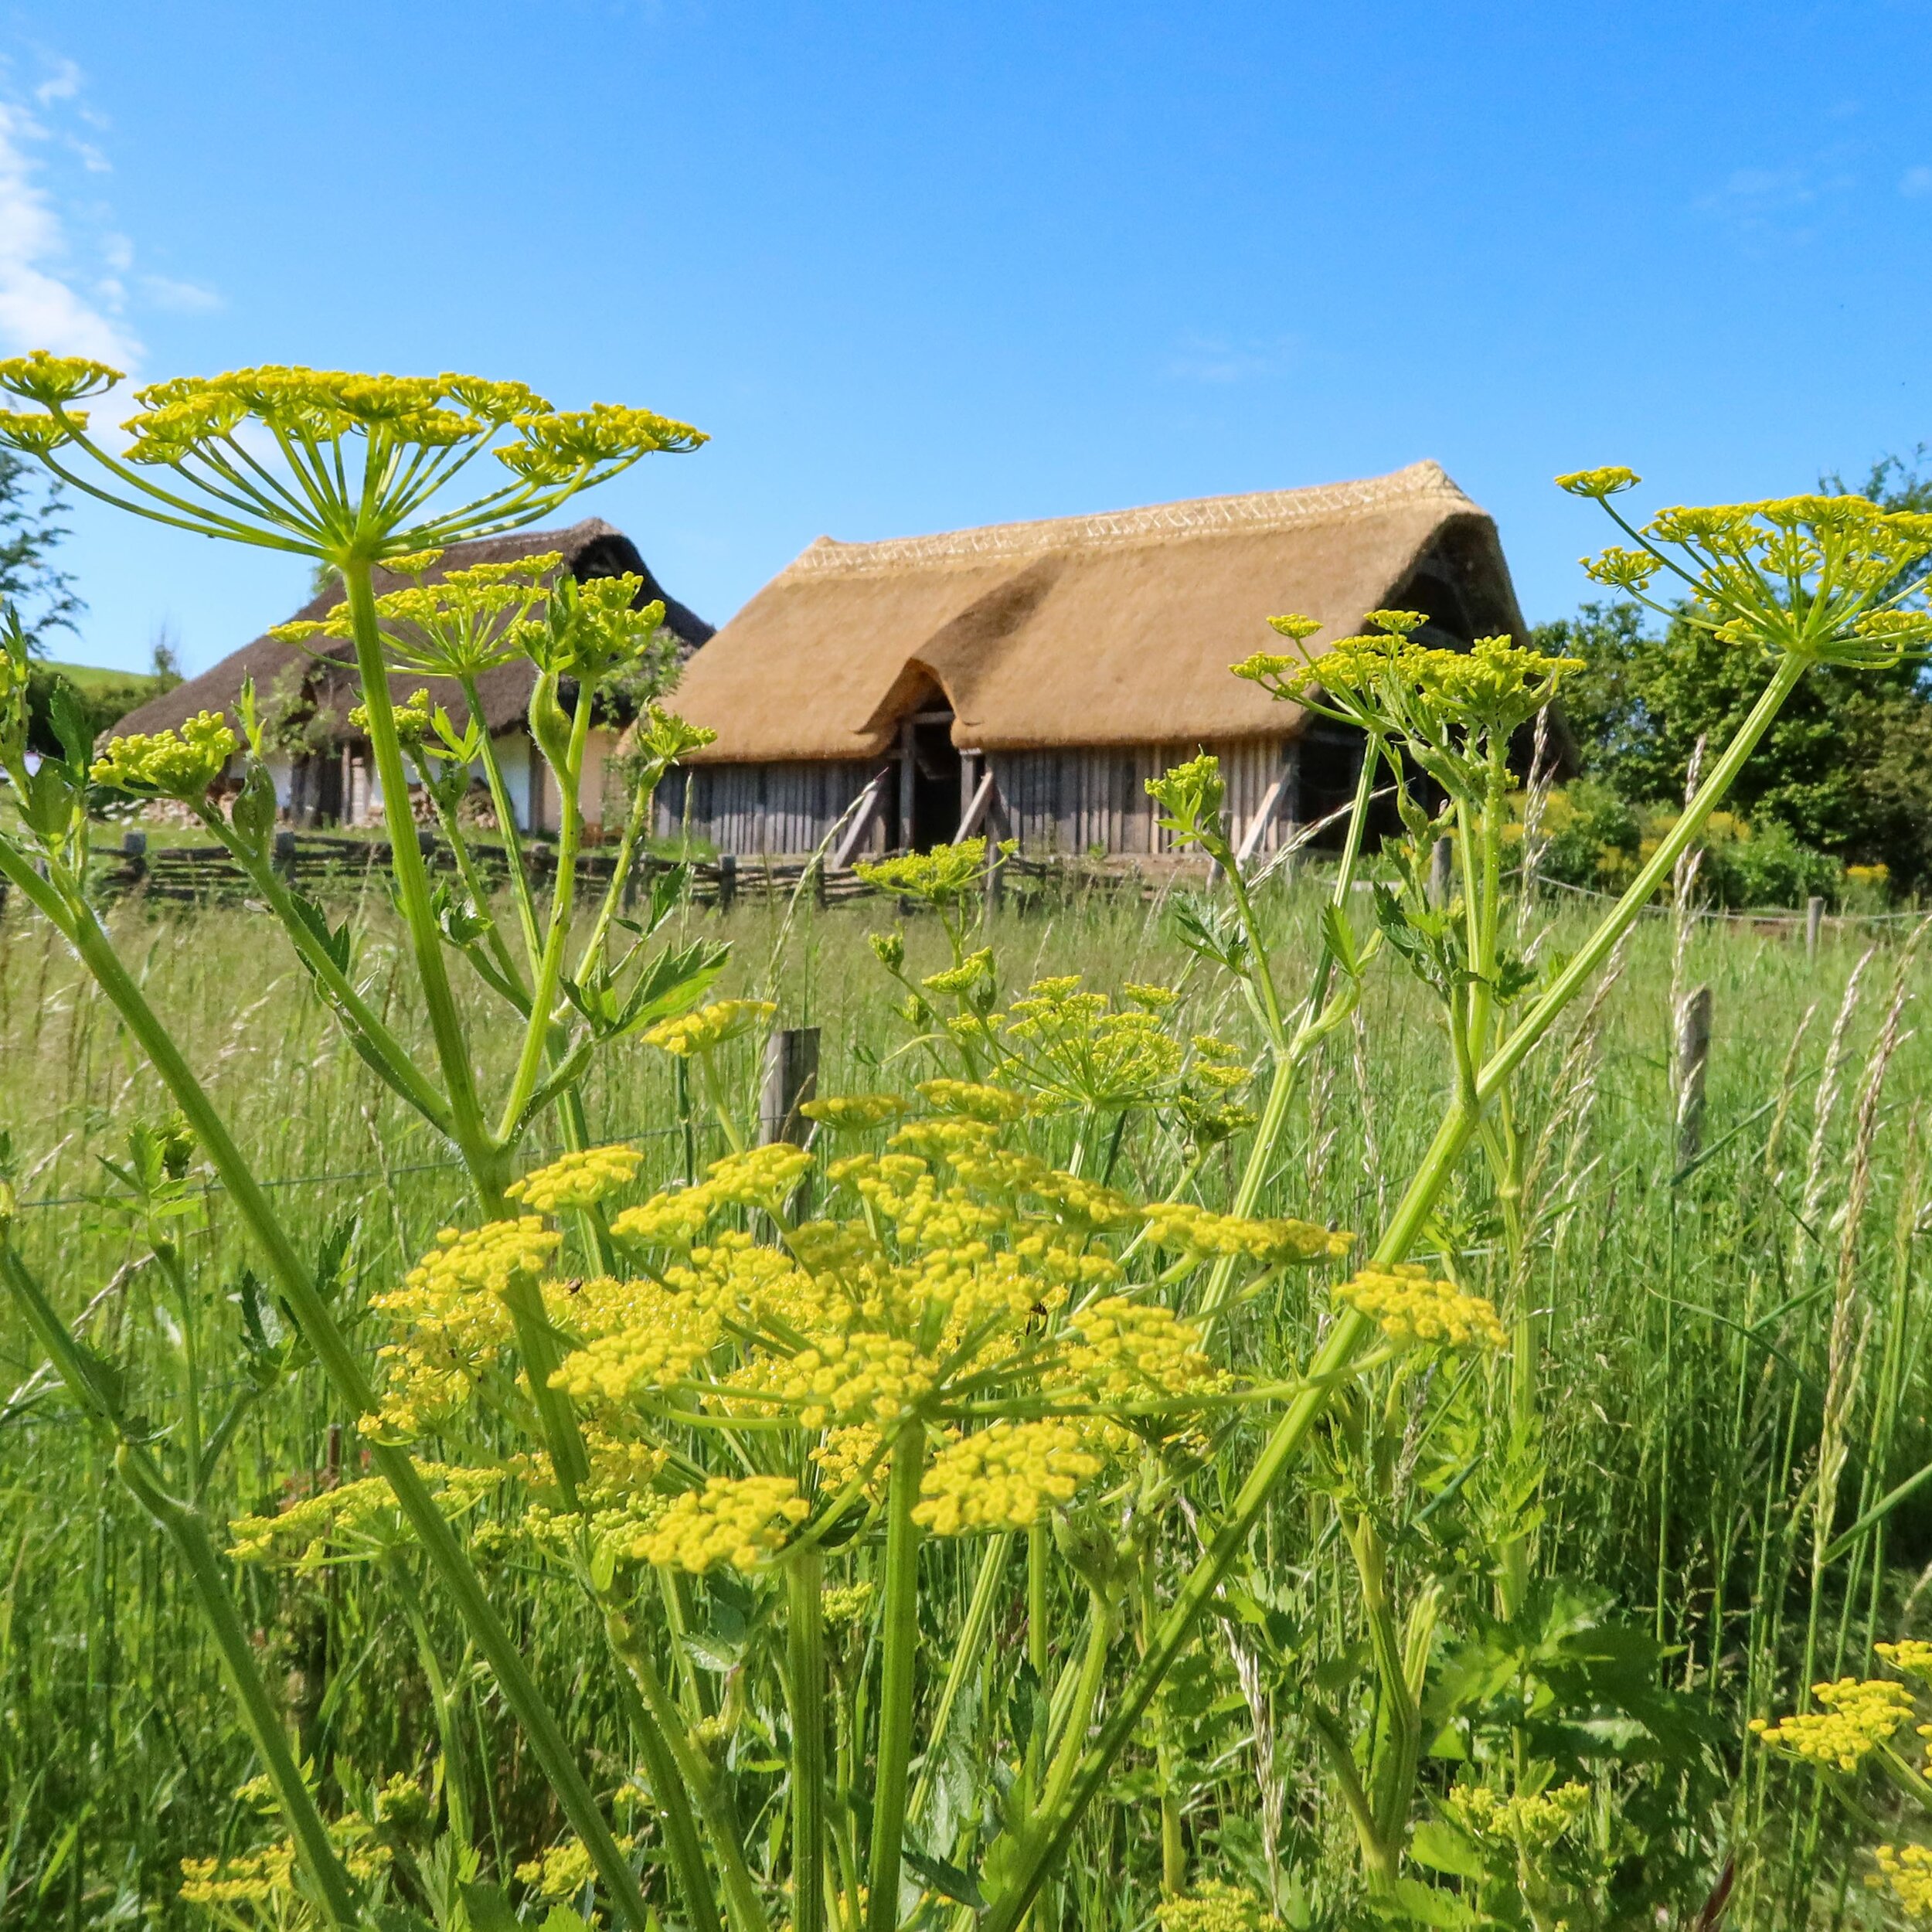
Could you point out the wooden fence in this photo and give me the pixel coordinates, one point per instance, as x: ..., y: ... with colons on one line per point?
x: 323, y: 865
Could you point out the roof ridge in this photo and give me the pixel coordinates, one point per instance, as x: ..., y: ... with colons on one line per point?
x: 1200, y: 516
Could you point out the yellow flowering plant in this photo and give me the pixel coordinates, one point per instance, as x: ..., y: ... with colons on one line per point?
x: 760, y: 1434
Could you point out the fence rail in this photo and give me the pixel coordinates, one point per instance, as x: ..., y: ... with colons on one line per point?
x: 322, y: 864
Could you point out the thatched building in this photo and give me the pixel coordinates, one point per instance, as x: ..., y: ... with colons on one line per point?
x: 323, y: 771
x: 1029, y: 679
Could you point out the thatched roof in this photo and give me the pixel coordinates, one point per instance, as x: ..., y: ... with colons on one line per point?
x: 1115, y: 629
x: 324, y: 686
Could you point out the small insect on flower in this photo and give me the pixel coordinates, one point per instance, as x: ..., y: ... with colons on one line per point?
x: 576, y: 1180
x: 180, y: 763
x: 710, y: 1027
x: 1415, y: 1310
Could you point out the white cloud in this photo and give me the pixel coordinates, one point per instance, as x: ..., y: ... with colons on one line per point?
x: 41, y: 302
x: 1220, y: 359
x: 1916, y: 181
x: 180, y: 298
x: 62, y: 84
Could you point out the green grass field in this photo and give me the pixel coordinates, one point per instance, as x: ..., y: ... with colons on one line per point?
x: 1685, y: 1382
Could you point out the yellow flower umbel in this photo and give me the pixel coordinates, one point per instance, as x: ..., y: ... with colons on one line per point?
x: 732, y: 1520
x: 1213, y: 1907
x: 578, y: 1180
x: 169, y: 764
x: 1858, y: 1718
x: 710, y: 1027
x: 1415, y: 1310
x: 1004, y: 1477
x: 1906, y: 1871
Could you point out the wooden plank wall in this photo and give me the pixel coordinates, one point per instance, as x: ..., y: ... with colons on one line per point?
x: 773, y: 809
x: 1078, y: 801
x: 1068, y: 803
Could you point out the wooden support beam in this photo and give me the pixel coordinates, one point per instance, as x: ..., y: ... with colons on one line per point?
x: 984, y: 801
x: 1258, y: 826
x: 869, y: 801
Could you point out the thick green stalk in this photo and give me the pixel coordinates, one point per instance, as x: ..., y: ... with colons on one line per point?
x: 187, y: 1529
x: 456, y: 1775
x: 549, y: 972
x: 412, y: 894
x: 79, y: 925
x: 678, y: 1779
x: 805, y: 1642
x: 1291, y: 1057
x: 1345, y: 1339
x: 899, y: 1629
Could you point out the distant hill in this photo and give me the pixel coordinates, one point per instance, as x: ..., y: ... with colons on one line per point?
x: 105, y: 695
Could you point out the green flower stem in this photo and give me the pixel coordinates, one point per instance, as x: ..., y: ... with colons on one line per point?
x: 678, y: 1779
x: 549, y: 972
x: 392, y: 1057
x: 1038, y: 1625
x: 79, y: 926
x: 483, y: 1159
x: 473, y: 884
x: 640, y: 803
x: 805, y: 1640
x: 899, y: 1638
x: 456, y: 1771
x: 967, y: 1655
x: 1396, y: 1709
x: 1355, y: 1800
x: 538, y: 1344
x: 1100, y: 1633
x: 187, y: 1529
x: 1290, y: 1060
x: 506, y: 827
x: 1345, y: 1339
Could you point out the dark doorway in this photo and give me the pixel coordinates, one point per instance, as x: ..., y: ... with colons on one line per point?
x: 934, y: 764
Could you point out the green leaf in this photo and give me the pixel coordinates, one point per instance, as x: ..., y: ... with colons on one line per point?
x: 939, y: 1874
x: 1442, y: 1848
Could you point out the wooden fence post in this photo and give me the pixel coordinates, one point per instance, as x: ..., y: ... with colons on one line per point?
x: 1442, y: 859
x: 284, y: 859
x: 1692, y: 1059
x: 1813, y: 925
x: 133, y: 852
x: 791, y: 1079
x: 727, y: 880
x: 996, y: 877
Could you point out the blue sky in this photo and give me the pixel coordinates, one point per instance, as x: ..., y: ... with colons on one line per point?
x: 919, y: 267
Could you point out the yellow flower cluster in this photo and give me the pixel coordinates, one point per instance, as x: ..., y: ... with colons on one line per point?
x: 855, y: 1113
x: 650, y: 1336
x: 973, y: 1100
x: 976, y: 969
x: 1857, y: 1717
x: 1188, y: 1229
x: 1003, y: 1476
x: 862, y: 1377
x: 559, y: 1873
x: 482, y: 1260
x: 1532, y: 1820
x: 760, y: 1177
x: 942, y: 877
x: 1412, y: 1307
x: 1074, y: 1049
x: 844, y: 1605
x: 361, y: 1511
x: 1213, y: 1907
x: 710, y: 1027
x: 411, y: 718
x: 1911, y: 1657
x: 671, y: 1220
x: 1131, y: 1351
x: 734, y: 1520
x: 576, y: 1180
x: 169, y: 764
x: 1906, y: 1873
x: 266, y: 1877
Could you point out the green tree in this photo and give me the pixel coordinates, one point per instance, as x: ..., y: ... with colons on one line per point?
x: 42, y: 595
x: 1847, y: 767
